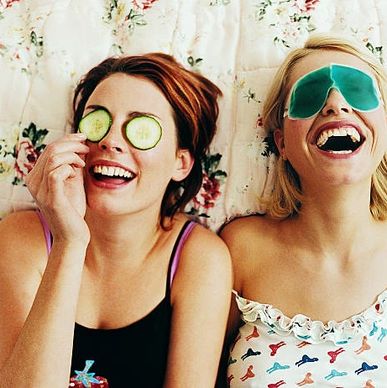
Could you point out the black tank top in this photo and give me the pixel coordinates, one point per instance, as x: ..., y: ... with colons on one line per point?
x: 135, y: 355
x: 132, y: 356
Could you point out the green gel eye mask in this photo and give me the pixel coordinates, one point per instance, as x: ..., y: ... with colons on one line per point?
x: 143, y: 132
x: 309, y: 94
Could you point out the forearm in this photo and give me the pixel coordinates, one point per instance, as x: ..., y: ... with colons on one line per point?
x: 42, y: 354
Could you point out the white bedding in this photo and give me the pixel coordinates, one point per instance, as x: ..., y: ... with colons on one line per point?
x: 46, y: 45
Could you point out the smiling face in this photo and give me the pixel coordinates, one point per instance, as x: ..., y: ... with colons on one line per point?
x: 339, y: 145
x: 119, y: 177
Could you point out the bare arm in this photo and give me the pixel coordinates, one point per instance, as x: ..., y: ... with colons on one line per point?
x: 231, y: 235
x: 36, y: 331
x: 38, y: 312
x: 201, y: 300
x: 233, y: 323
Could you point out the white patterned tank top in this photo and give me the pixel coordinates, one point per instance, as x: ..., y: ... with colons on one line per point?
x: 272, y: 350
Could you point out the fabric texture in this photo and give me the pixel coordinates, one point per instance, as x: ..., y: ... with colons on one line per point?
x: 272, y: 350
x: 46, y: 45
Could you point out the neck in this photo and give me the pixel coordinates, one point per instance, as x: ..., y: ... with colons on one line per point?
x: 118, y: 240
x: 338, y: 219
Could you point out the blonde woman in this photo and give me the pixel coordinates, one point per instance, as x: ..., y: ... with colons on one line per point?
x: 310, y: 281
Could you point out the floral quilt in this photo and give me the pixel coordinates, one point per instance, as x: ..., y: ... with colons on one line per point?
x: 47, y: 45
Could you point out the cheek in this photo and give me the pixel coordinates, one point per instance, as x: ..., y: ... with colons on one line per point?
x: 295, y: 132
x: 377, y: 123
x: 166, y: 149
x: 376, y: 119
x: 156, y: 160
x: 296, y: 142
x: 383, y: 130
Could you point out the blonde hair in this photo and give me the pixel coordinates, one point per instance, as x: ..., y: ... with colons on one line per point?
x: 287, y: 196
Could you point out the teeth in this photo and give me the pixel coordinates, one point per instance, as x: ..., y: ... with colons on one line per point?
x: 343, y: 131
x: 112, y: 171
x: 341, y: 152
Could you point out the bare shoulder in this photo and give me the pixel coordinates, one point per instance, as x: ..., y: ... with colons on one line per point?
x: 207, y: 247
x: 22, y: 241
x: 251, y: 241
x: 200, y: 296
x: 244, y: 233
x: 204, y: 258
x: 246, y: 225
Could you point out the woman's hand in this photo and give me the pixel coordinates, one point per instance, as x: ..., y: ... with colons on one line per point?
x: 56, y: 183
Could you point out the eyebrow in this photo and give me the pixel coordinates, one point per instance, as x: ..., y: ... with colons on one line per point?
x: 129, y: 115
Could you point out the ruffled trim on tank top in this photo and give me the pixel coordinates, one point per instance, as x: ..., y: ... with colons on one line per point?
x: 314, y: 332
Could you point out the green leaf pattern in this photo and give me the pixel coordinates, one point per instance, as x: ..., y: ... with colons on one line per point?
x: 45, y: 46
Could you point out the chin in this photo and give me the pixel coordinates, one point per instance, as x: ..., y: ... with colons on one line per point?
x: 103, y: 207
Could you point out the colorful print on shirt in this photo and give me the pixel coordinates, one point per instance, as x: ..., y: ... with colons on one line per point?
x: 272, y: 350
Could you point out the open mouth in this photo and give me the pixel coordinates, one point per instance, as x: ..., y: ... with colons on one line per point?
x: 344, y: 140
x: 111, y: 174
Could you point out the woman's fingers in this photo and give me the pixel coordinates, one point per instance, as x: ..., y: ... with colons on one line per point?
x: 63, y: 203
x: 68, y: 150
x: 54, y: 154
x: 65, y: 145
x: 57, y: 179
x: 59, y: 159
x: 56, y: 183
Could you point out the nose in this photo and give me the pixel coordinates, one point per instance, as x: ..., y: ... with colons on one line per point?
x: 335, y: 104
x: 113, y: 141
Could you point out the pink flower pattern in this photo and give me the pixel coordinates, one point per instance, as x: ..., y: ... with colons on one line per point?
x: 143, y: 4
x: 26, y: 44
x: 208, y: 194
x: 290, y: 19
x: 26, y: 157
x: 7, y: 3
x: 27, y: 151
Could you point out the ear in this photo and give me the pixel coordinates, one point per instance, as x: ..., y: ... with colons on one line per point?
x: 280, y: 142
x: 184, y: 163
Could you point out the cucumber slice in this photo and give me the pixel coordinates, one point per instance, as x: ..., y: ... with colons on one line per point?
x: 95, y: 125
x: 143, y: 132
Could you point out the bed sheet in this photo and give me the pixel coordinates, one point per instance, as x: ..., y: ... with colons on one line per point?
x: 47, y: 45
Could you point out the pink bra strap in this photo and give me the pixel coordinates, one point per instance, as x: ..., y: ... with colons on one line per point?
x: 175, y: 259
x: 46, y: 230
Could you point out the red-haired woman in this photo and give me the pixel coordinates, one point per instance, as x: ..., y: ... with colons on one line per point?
x: 109, y: 270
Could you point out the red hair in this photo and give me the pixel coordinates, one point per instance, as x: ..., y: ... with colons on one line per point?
x: 193, y: 99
